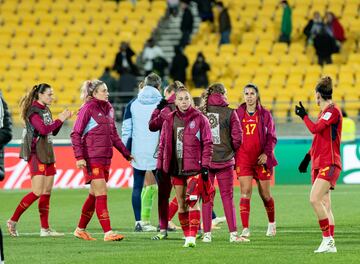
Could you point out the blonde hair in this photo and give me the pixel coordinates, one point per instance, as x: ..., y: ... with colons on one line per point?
x: 88, y: 88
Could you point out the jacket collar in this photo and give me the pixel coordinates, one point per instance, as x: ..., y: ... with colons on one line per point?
x: 217, y: 99
x: 171, y: 99
x: 38, y: 105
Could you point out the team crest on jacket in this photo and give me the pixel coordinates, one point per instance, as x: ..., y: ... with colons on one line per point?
x: 215, y: 127
x: 192, y: 124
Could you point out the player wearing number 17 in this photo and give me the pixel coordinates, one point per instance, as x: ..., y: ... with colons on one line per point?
x: 325, y: 159
x: 255, y: 158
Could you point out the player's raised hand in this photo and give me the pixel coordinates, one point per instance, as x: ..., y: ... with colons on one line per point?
x: 300, y: 110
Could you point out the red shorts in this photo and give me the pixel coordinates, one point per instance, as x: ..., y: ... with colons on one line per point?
x: 258, y: 172
x: 36, y: 167
x: 329, y: 173
x: 180, y: 180
x: 96, y: 171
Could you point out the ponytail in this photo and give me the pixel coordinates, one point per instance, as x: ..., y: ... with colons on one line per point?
x: 33, y: 95
x: 88, y: 88
x: 213, y: 88
x: 324, y: 87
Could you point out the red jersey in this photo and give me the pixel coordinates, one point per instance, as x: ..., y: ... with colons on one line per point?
x: 325, y: 148
x: 250, y: 149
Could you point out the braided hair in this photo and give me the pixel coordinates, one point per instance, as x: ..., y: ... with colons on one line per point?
x: 30, y: 97
x: 324, y: 87
x: 213, y: 88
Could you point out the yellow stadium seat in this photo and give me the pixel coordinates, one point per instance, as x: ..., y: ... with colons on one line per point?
x: 331, y: 70
x: 270, y: 61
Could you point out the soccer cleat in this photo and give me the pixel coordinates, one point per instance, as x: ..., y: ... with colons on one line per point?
x: 327, y: 246
x: 207, y: 237
x: 245, y: 232
x: 147, y: 227
x: 83, y: 234
x: 138, y: 227
x: 48, y: 232
x: 218, y: 220
x: 160, y: 236
x: 11, y: 225
x: 234, y: 238
x: 112, y: 236
x: 190, y: 242
x: 172, y: 226
x: 271, y: 231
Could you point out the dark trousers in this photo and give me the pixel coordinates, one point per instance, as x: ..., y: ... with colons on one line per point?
x: 139, y: 176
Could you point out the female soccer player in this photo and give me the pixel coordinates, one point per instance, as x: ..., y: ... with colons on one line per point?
x: 255, y: 157
x: 93, y: 137
x: 37, y: 150
x: 166, y: 210
x: 185, y: 150
x: 227, y: 136
x: 325, y: 159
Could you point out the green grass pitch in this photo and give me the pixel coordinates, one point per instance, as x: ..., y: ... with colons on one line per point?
x: 298, y: 232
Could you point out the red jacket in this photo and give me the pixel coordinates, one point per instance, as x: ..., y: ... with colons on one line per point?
x: 267, y: 134
x: 325, y: 149
x: 235, y: 129
x: 197, y: 141
x: 158, y: 116
x: 94, y: 133
x: 338, y: 30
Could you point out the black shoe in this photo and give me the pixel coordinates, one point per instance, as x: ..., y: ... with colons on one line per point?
x: 138, y: 228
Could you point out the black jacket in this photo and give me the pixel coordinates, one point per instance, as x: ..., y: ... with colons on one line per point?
x: 187, y: 21
x: 5, y: 135
x: 118, y: 66
x: 178, y: 67
x: 224, y: 21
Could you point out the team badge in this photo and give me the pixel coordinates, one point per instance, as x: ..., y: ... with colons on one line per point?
x: 95, y: 171
x: 41, y: 167
x: 192, y: 124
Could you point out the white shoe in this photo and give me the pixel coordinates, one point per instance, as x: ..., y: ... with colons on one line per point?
x: 147, y: 227
x: 327, y: 246
x: 271, y: 231
x: 11, y: 226
x: 234, y: 238
x: 50, y: 233
x: 245, y: 232
x: 190, y: 242
x: 207, y: 237
x: 218, y: 220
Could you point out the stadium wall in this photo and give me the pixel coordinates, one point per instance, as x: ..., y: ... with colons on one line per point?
x: 289, y: 153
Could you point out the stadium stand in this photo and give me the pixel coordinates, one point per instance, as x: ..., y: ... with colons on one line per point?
x: 65, y: 42
x: 285, y: 74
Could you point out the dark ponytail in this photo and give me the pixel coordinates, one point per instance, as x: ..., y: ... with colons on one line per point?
x: 30, y: 97
x: 324, y: 87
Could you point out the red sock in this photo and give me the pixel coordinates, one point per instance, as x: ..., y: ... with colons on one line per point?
x: 184, y: 222
x: 24, y: 204
x: 270, y: 209
x: 194, y: 222
x: 324, y: 226
x: 44, y: 207
x: 332, y: 230
x: 102, y: 212
x: 173, y: 208
x: 245, y: 211
x: 87, y: 211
